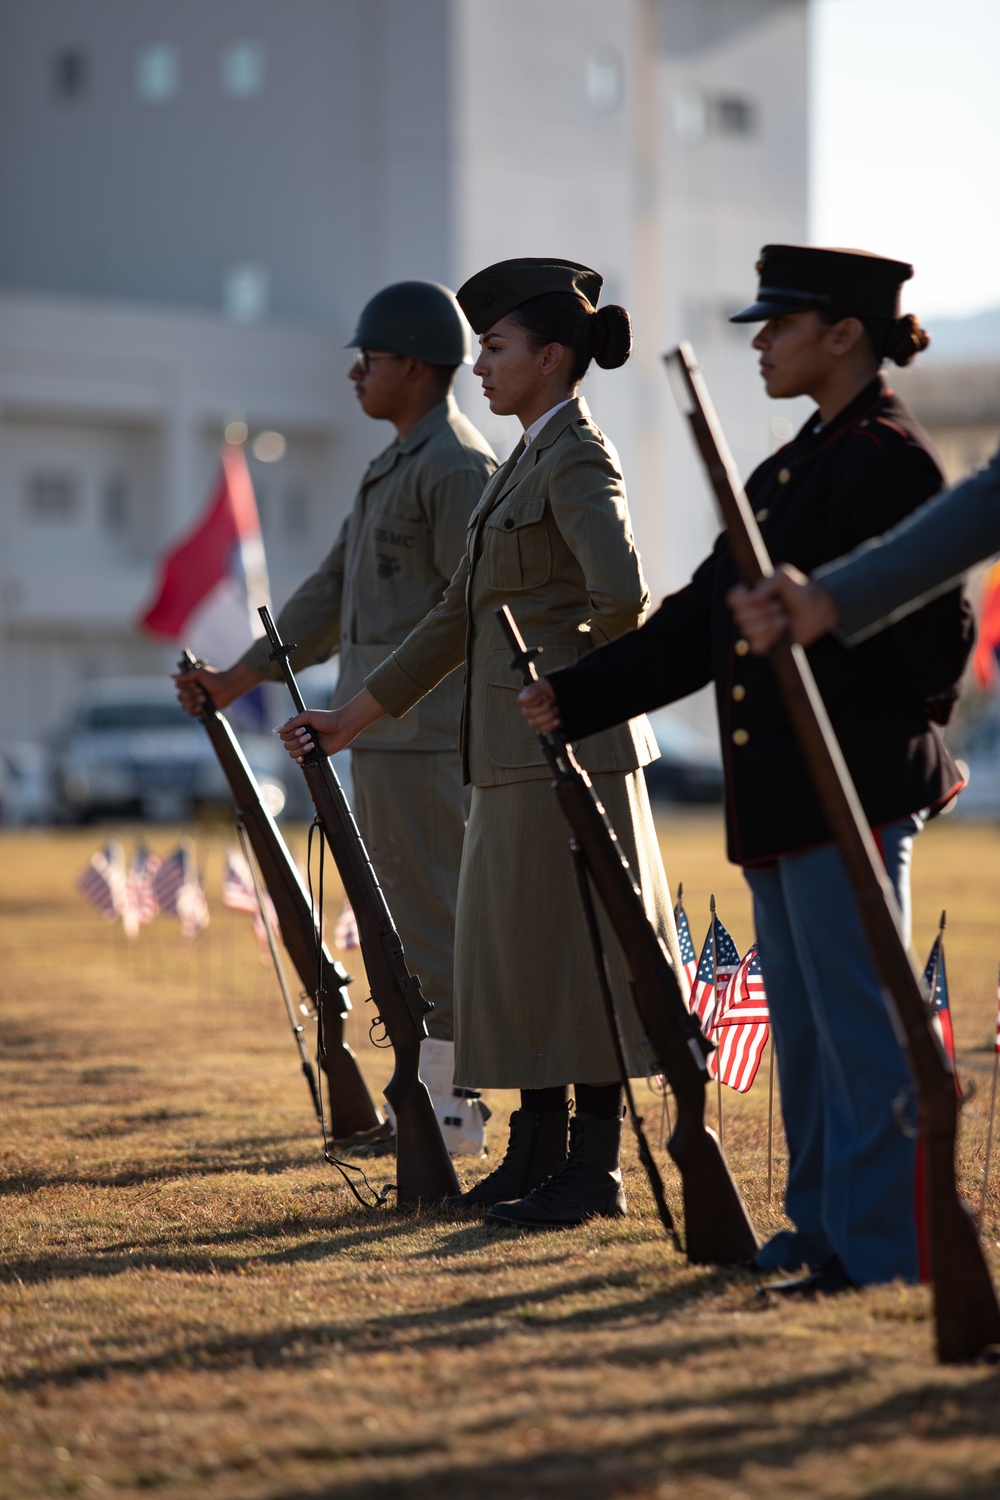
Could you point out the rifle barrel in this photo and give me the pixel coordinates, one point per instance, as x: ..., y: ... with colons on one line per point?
x: 424, y: 1170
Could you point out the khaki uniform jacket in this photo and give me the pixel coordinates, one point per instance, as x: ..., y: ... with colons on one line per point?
x: 390, y: 564
x: 552, y: 538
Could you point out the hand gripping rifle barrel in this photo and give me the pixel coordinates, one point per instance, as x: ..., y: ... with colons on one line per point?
x: 352, y: 1109
x: 718, y: 1230
x: 424, y: 1172
x: 966, y: 1315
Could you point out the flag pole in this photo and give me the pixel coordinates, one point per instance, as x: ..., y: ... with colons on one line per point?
x: 770, y: 1112
x: 715, y: 1002
x: 993, y: 1106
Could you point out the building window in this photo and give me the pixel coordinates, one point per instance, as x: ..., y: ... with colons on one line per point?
x: 731, y: 115
x: 52, y: 497
x: 70, y: 73
x: 157, y: 73
x: 603, y: 80
x: 242, y: 69
x: 698, y: 116
x: 114, y: 504
x: 246, y: 292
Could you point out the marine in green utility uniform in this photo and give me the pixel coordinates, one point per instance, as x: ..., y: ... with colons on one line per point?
x: 393, y: 559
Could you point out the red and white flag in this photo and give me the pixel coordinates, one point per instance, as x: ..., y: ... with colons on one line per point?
x: 215, y: 578
x: 740, y: 1026
x: 103, y: 880
x: 141, y: 905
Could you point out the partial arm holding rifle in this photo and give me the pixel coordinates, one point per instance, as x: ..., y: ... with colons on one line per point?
x: 718, y: 1230
x: 352, y: 1109
x: 424, y: 1172
x: 966, y: 1314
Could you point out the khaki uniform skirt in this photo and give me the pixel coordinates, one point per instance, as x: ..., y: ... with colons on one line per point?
x: 528, y: 1010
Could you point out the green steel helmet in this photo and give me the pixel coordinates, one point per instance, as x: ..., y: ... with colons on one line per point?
x: 416, y: 318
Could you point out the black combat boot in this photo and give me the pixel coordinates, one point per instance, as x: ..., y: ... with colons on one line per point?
x: 536, y: 1148
x: 589, y: 1185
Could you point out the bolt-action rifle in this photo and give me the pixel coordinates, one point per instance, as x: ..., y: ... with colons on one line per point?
x: 966, y: 1315
x: 717, y: 1226
x: 353, y: 1115
x: 424, y: 1172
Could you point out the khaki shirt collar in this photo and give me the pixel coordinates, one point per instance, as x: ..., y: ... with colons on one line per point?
x: 439, y: 416
x: 575, y: 410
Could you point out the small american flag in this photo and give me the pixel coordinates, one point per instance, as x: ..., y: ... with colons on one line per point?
x: 237, y: 883
x: 715, y: 969
x: 103, y: 880
x: 141, y: 904
x: 180, y: 893
x: 936, y: 980
x: 688, y: 956
x: 240, y: 894
x: 345, y: 934
x: 740, y: 1026
x: 170, y: 877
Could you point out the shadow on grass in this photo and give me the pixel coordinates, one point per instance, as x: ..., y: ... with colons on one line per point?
x: 690, y: 1446
x: 313, y: 1238
x: 474, y: 1322
x: 215, y: 1160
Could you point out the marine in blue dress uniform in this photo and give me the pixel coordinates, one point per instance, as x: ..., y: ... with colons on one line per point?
x: 859, y: 464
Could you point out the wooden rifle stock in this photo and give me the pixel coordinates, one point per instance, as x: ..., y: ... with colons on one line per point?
x: 424, y: 1171
x: 352, y: 1109
x: 718, y: 1230
x: 966, y: 1315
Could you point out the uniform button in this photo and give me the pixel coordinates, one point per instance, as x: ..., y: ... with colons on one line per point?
x: 784, y: 475
x: 742, y: 647
x: 508, y: 523
x: 763, y: 513
x: 863, y: 422
x: 740, y: 737
x: 739, y: 693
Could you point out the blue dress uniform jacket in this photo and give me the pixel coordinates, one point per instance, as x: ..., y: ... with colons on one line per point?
x: 830, y: 488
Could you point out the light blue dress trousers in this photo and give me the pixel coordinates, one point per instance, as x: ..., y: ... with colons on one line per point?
x: 844, y: 1080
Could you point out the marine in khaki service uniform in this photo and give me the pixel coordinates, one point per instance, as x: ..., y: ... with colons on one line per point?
x: 552, y: 538
x: 396, y: 551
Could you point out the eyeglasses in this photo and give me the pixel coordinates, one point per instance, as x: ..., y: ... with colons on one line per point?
x: 365, y: 360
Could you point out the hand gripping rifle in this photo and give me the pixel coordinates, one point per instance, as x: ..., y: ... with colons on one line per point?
x: 966, y: 1315
x: 424, y: 1172
x: 352, y: 1110
x: 717, y: 1226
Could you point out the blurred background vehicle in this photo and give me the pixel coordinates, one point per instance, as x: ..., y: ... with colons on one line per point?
x: 690, y: 764
x: 26, y: 791
x: 130, y: 750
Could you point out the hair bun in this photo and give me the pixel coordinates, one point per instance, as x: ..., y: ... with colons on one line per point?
x: 905, y: 340
x: 611, y: 336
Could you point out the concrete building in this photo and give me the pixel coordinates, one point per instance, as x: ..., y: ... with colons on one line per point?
x: 959, y: 403
x: 199, y: 198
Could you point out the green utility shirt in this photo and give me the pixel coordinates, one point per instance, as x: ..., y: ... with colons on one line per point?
x: 390, y: 565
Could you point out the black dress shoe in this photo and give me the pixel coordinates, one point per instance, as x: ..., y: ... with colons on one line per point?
x: 826, y: 1281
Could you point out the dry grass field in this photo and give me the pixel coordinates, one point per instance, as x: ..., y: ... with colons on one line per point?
x: 192, y: 1306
